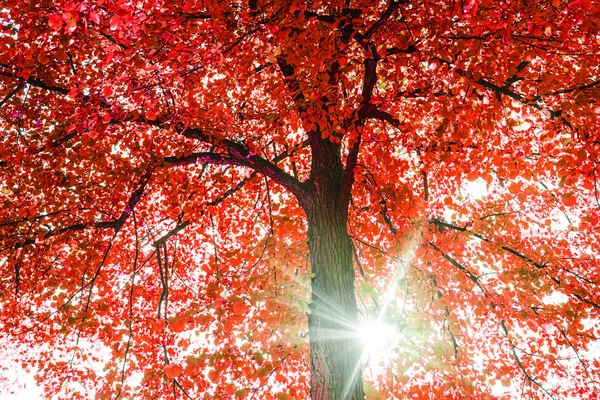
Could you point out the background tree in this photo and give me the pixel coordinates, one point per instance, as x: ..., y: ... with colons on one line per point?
x: 182, y: 182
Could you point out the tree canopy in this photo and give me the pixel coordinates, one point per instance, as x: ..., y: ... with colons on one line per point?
x: 206, y: 199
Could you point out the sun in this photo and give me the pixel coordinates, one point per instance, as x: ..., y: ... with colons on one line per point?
x: 378, y: 339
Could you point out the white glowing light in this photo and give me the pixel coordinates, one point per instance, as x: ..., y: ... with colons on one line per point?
x: 377, y: 338
x: 477, y: 189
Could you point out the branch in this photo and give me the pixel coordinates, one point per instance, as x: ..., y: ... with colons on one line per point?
x: 393, y: 6
x: 133, y: 200
x: 199, y: 15
x: 293, y: 85
x: 238, y: 155
x: 357, y: 258
x: 230, y: 192
x: 375, y: 113
x: 114, y: 224
x: 425, y: 186
x: 34, y: 82
x: 369, y: 80
x: 176, y: 382
x: 164, y: 278
x: 518, y: 360
x: 504, y: 90
x: 457, y: 265
x: 447, y: 312
x: 212, y: 203
x: 351, y: 162
x: 202, y: 158
x: 394, y: 50
x: 574, y: 89
x: 130, y: 304
x: 382, y: 202
x: 589, y: 302
x: 515, y: 77
x: 510, y: 250
x: 12, y: 93
x: 171, y: 233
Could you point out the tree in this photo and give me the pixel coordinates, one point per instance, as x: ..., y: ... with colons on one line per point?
x: 195, y: 194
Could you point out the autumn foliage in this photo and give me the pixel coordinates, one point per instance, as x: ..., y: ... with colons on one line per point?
x: 204, y: 199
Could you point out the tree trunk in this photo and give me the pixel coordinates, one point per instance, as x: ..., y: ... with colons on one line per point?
x: 335, y: 351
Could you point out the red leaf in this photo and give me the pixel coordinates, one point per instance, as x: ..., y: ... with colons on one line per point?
x: 151, y: 115
x: 43, y: 58
x: 115, y: 22
x: 55, y: 22
x: 94, y: 17
x: 71, y: 18
x: 213, y: 375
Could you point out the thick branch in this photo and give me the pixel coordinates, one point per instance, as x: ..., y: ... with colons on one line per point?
x: 384, y: 116
x: 369, y: 80
x: 393, y: 6
x: 351, y: 162
x: 133, y: 200
x: 34, y: 82
x: 117, y: 224
x: 12, y: 93
x: 238, y: 155
x: 293, y: 85
x: 394, y: 50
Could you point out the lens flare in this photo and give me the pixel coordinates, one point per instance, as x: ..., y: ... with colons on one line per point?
x: 377, y: 338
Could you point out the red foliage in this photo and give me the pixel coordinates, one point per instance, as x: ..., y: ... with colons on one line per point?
x: 157, y: 159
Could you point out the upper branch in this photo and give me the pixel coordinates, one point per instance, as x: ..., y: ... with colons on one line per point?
x: 134, y: 199
x: 293, y: 85
x: 506, y: 91
x: 238, y: 154
x: 351, y: 162
x: 393, y: 6
x: 116, y: 224
x: 369, y: 80
x: 507, y: 249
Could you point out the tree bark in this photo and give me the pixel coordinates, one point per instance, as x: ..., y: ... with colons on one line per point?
x: 335, y: 351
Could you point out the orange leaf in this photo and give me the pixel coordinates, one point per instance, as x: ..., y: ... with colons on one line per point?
x: 213, y: 375
x: 271, y: 305
x: 569, y: 199
x: 71, y: 18
x: 230, y: 389
x: 173, y: 371
x: 240, y: 307
x: 178, y: 326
